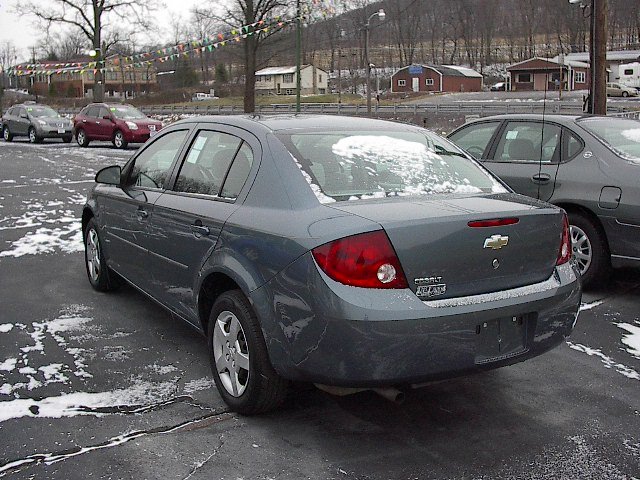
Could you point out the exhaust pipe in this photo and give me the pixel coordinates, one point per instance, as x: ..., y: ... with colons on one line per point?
x: 392, y: 394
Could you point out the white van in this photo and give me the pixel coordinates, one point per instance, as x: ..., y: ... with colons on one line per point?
x: 199, y: 97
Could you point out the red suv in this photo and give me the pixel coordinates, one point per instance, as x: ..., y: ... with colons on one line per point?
x: 120, y: 123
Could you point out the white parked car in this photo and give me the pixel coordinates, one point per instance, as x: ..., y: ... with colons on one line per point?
x: 199, y: 97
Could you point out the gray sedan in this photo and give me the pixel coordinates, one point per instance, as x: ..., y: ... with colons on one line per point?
x: 36, y: 122
x: 589, y: 166
x: 350, y: 253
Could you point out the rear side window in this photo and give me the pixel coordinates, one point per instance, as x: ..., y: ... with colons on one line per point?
x: 529, y: 142
x: 574, y: 145
x: 238, y: 173
x: 475, y: 138
x: 207, y: 163
x: 152, y: 167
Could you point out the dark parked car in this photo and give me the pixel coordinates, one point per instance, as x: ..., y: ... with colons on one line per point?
x: 589, y: 166
x: 36, y: 122
x: 347, y: 252
x: 119, y: 123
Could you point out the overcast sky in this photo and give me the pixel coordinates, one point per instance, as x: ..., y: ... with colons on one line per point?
x: 24, y: 33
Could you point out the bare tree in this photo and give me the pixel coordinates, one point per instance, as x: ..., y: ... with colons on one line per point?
x: 66, y: 45
x: 251, y: 12
x: 91, y: 17
x: 8, y: 56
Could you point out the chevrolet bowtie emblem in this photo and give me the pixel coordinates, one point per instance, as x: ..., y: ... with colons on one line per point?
x: 496, y: 242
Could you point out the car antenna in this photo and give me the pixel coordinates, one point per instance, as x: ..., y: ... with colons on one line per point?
x: 544, y: 111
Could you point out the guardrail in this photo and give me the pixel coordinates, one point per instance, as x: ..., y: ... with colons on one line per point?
x: 462, y: 108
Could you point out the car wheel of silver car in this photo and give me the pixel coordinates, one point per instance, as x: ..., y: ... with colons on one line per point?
x: 118, y: 140
x: 240, y: 363
x: 100, y: 277
x: 81, y: 138
x: 6, y: 134
x: 33, y: 136
x: 625, y: 94
x: 590, y: 249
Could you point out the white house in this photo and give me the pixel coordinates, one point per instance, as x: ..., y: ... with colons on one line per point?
x: 282, y: 80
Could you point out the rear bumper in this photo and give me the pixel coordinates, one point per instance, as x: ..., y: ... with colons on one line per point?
x: 321, y: 331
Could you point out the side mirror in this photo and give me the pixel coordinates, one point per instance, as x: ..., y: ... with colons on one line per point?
x: 24, y: 115
x: 109, y: 175
x: 107, y: 117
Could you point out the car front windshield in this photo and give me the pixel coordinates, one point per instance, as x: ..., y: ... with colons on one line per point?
x: 621, y: 135
x: 126, y: 112
x: 358, y: 165
x: 42, y: 112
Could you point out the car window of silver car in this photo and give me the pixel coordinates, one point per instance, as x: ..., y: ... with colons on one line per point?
x: 207, y: 163
x: 475, y: 138
x: 529, y: 142
x: 152, y: 167
x: 574, y: 145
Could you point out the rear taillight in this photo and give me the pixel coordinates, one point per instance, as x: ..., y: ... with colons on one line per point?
x: 366, y: 260
x: 564, y: 255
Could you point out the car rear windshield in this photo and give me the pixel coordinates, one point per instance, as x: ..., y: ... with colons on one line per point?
x: 621, y: 135
x: 374, y: 164
x: 42, y: 112
x: 126, y: 112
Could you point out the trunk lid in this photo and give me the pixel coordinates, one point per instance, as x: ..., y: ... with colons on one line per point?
x: 443, y: 257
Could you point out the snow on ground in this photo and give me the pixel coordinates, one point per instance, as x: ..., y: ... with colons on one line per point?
x: 632, y: 339
x: 607, y: 361
x: 589, y: 306
x: 52, y: 226
x: 26, y: 370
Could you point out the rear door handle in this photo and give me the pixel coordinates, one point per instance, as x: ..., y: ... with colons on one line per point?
x: 541, y: 178
x: 142, y: 213
x: 198, y: 229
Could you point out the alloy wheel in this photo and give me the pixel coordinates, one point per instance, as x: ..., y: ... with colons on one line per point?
x: 93, y: 255
x: 32, y: 135
x: 118, y: 140
x: 80, y: 137
x: 231, y: 353
x: 582, y: 249
x: 5, y: 134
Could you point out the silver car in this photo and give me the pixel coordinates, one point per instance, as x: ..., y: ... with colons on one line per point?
x: 347, y: 252
x: 588, y: 165
x: 36, y: 122
x: 620, y: 90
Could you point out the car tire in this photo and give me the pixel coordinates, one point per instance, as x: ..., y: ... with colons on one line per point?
x: 240, y: 364
x: 118, y: 140
x: 81, y: 138
x: 67, y: 139
x: 590, y: 249
x: 33, y: 136
x: 100, y: 276
x: 625, y: 94
x: 6, y: 134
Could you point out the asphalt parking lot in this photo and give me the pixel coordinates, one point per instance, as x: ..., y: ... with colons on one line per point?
x: 112, y: 386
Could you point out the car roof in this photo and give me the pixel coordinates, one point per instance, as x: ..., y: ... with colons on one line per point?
x: 300, y: 122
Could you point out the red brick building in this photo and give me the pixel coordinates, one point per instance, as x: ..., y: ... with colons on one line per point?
x: 441, y: 78
x: 545, y: 74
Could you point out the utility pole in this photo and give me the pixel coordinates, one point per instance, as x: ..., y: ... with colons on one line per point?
x: 298, y: 54
x: 599, y: 57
